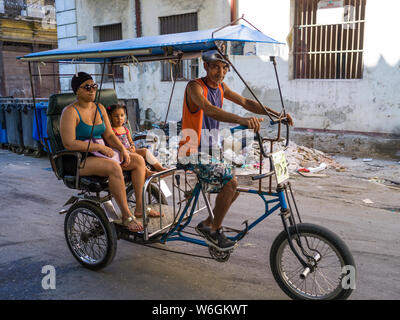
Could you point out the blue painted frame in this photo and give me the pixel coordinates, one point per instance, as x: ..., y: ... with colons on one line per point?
x: 175, y: 234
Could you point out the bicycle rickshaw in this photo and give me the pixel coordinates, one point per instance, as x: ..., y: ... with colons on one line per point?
x: 307, y: 260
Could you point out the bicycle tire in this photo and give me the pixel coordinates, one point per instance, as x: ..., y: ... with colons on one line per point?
x: 94, y: 225
x: 284, y: 278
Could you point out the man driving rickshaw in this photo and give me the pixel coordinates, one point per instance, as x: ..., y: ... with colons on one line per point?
x: 201, y: 115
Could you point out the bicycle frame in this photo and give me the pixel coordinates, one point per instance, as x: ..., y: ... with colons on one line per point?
x: 176, y: 233
x: 278, y: 201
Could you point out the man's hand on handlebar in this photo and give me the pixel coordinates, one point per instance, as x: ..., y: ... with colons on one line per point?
x: 252, y: 123
x: 289, y: 119
x: 285, y: 120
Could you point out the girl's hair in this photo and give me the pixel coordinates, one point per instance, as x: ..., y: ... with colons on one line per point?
x: 114, y: 107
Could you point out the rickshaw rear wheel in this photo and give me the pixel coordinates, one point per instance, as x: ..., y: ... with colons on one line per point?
x: 91, y: 239
x: 326, y: 281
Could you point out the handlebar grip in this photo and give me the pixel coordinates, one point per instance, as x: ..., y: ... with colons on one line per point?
x: 283, y: 120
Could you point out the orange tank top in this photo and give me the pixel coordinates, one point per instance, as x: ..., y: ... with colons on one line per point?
x: 192, y: 122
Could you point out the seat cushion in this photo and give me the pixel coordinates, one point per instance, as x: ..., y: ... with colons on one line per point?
x: 92, y: 183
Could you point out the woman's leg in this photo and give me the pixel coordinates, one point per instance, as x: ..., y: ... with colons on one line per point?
x: 108, y: 168
x: 139, y: 173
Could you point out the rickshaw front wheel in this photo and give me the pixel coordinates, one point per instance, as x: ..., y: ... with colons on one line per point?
x: 91, y: 239
x: 333, y: 272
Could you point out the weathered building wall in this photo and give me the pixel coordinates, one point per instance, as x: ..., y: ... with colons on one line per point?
x: 356, y: 115
x: 143, y: 81
x: 146, y: 81
x: 67, y: 35
x: 20, y: 35
x: 361, y: 115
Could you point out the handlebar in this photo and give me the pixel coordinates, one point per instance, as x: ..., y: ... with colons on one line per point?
x: 260, y: 140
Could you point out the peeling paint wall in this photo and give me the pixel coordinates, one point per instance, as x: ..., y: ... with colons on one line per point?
x: 371, y: 104
x: 144, y: 81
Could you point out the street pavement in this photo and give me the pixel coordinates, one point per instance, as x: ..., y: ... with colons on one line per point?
x: 32, y: 237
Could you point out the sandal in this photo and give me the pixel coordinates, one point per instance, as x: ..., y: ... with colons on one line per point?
x: 150, y: 213
x: 136, y: 227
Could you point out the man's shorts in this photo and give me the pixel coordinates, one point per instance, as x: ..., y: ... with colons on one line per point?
x: 212, y: 175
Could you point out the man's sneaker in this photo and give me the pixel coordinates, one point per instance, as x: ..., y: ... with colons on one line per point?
x: 202, y: 229
x: 216, y: 238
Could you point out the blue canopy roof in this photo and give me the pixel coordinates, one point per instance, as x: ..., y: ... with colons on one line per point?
x: 187, y: 42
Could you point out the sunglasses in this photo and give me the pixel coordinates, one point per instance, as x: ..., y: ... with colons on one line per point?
x: 89, y: 87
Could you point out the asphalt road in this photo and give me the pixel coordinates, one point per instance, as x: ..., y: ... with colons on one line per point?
x: 32, y: 236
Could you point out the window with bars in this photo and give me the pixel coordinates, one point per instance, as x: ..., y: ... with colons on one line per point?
x: 186, y: 69
x: 109, y: 33
x: 325, y: 46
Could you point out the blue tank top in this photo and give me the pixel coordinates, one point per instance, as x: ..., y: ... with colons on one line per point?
x: 84, y: 130
x: 210, y: 135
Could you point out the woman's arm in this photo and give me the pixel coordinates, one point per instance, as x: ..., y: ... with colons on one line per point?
x: 132, y: 148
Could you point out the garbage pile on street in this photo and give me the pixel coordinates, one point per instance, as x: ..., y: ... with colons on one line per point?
x: 313, y: 160
x: 305, y: 161
x: 246, y: 158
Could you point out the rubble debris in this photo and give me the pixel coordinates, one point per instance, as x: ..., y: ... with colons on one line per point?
x: 321, y: 167
x: 367, y: 201
x: 247, y: 159
x: 386, y: 183
x: 312, y: 175
x: 312, y: 171
x: 303, y: 157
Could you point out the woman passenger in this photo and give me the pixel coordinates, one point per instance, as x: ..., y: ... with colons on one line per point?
x: 76, y: 125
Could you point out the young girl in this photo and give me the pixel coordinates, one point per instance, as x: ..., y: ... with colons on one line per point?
x: 117, y: 115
